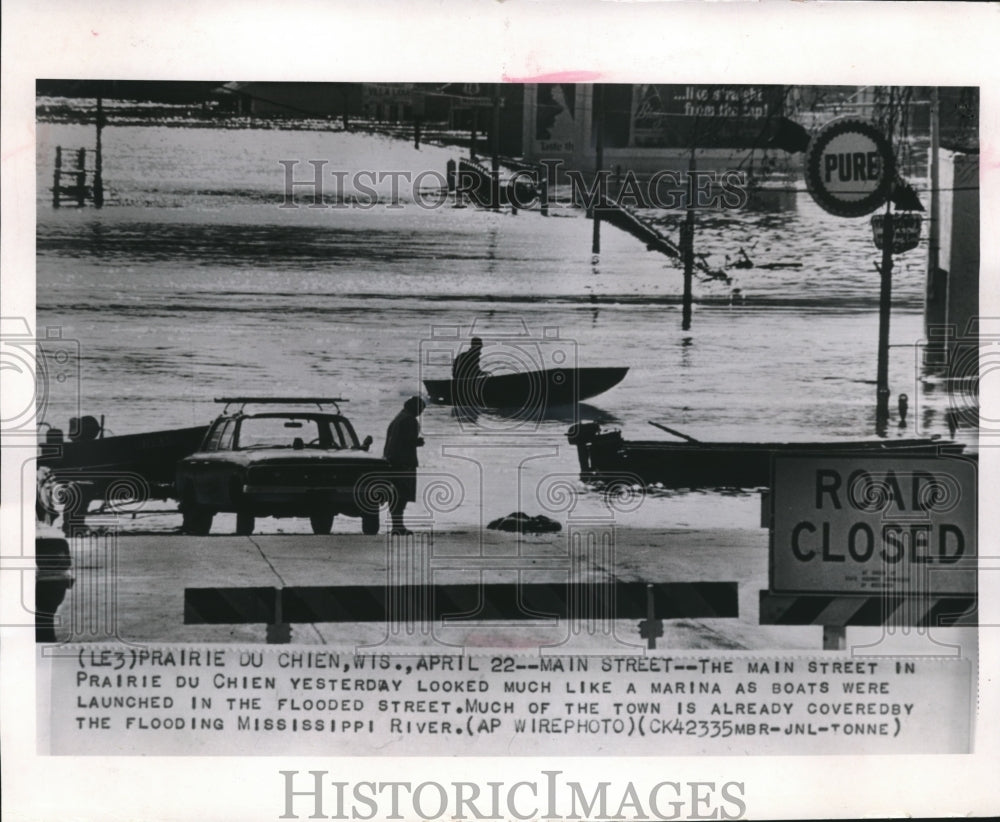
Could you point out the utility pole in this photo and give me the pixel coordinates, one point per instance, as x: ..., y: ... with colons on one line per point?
x: 598, y: 163
x: 57, y: 178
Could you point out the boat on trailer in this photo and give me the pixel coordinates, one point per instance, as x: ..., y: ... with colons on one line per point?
x: 690, y: 463
x: 137, y: 466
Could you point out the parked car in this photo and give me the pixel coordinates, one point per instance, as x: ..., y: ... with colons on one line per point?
x: 279, y: 463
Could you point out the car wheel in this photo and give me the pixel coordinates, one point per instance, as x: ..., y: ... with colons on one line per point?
x: 321, y: 523
x: 196, y: 519
x: 198, y: 522
x: 369, y: 525
x: 244, y: 523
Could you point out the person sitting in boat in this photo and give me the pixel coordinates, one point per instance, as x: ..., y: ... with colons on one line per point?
x: 466, y: 365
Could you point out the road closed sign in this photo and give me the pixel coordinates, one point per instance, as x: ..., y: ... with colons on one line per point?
x: 863, y: 525
x: 850, y: 168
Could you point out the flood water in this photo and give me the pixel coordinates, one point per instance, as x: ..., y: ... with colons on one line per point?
x: 193, y: 283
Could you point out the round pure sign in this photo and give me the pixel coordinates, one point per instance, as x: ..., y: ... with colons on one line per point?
x: 850, y: 168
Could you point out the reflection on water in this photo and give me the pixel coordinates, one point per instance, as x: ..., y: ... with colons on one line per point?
x: 566, y: 414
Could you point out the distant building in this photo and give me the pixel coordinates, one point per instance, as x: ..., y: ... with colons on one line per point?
x: 952, y: 308
x: 464, y: 106
x: 454, y: 106
x: 296, y: 100
x: 951, y: 315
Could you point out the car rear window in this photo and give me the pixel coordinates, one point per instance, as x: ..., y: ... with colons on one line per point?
x: 279, y: 432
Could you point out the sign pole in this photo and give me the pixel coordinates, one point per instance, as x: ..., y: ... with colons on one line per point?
x: 884, y: 309
x: 850, y: 172
x: 650, y: 618
x: 834, y: 637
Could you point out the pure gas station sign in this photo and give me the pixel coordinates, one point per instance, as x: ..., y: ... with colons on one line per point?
x: 869, y: 525
x: 850, y: 168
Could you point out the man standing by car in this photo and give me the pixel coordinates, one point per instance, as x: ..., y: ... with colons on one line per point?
x: 402, y: 439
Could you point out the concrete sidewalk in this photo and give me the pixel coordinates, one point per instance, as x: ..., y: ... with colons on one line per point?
x: 132, y: 587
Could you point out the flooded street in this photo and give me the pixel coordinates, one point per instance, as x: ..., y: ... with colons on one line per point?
x: 194, y: 282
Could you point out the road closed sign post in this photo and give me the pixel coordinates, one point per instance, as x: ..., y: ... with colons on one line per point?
x: 872, y: 540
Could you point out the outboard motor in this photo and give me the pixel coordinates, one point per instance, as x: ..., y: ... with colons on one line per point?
x: 583, y: 432
x: 581, y: 435
x: 84, y: 428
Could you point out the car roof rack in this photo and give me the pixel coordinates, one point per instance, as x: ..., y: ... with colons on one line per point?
x: 318, y: 401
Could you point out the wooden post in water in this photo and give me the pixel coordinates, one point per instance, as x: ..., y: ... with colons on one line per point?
x: 56, y: 178
x: 472, y: 138
x: 81, y: 176
x: 495, y: 150
x: 687, y: 247
x: 598, y: 164
x: 98, y: 158
x: 884, y: 309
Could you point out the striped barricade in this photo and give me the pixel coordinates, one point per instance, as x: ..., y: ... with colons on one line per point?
x: 919, y: 612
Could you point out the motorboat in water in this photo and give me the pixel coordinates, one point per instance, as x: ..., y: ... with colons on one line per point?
x: 527, y: 389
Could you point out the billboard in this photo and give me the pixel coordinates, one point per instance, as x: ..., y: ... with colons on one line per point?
x: 671, y: 116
